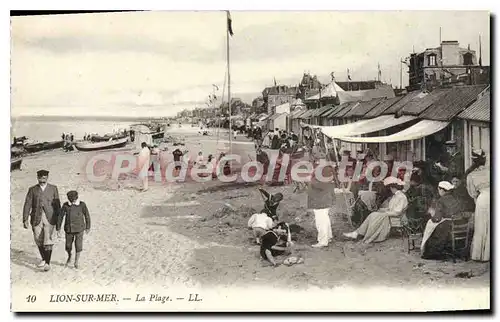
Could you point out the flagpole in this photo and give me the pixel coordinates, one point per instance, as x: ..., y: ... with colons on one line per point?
x: 229, y: 87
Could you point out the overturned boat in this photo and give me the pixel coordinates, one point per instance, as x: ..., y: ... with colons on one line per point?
x: 112, y: 144
x: 15, y: 163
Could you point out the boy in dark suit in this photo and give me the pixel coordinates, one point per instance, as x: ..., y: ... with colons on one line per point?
x: 77, y: 221
x: 41, y: 210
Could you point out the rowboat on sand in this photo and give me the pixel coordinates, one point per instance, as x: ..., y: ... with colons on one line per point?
x: 158, y: 135
x: 35, y: 147
x: 89, y: 146
x: 107, y: 137
x: 15, y: 163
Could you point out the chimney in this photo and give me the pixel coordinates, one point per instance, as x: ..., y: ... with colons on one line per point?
x: 449, y: 49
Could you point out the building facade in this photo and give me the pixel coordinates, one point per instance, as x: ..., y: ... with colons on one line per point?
x: 278, y: 95
x: 445, y: 65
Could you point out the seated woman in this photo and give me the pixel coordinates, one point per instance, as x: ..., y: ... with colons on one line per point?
x: 436, y: 240
x: 274, y: 243
x: 271, y: 202
x: 367, y: 201
x: 461, y: 193
x: 420, y: 197
x: 377, y: 226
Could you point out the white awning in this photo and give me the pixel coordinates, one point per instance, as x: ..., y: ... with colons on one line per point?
x: 419, y: 130
x: 363, y: 126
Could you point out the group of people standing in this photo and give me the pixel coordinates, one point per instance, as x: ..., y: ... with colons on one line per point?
x: 68, y: 139
x: 276, y: 139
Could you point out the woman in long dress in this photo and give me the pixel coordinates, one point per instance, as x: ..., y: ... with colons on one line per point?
x: 436, y: 243
x: 478, y: 186
x: 377, y: 225
x: 266, y: 143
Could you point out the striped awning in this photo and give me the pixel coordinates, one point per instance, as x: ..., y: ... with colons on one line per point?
x: 363, y: 126
x: 419, y: 130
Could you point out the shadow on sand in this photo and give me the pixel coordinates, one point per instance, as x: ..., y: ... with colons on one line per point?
x: 19, y: 257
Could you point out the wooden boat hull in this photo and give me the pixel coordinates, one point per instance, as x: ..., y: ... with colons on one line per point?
x: 36, y: 147
x: 17, y: 151
x: 98, y: 138
x: 158, y: 135
x: 15, y: 164
x: 87, y: 146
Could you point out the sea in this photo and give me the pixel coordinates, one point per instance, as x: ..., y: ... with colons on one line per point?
x: 51, y: 129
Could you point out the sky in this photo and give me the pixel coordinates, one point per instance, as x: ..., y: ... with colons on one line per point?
x: 159, y: 63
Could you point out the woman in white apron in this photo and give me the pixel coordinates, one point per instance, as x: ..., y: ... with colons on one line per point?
x: 436, y: 243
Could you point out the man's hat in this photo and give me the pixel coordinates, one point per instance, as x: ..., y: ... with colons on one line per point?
x: 42, y: 173
x: 478, y: 153
x: 450, y: 143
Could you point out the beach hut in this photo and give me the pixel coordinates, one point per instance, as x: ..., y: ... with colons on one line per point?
x: 278, y: 121
x: 476, y: 123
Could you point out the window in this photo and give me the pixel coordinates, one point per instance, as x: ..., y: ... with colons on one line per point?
x: 431, y: 60
x: 468, y: 59
x: 480, y: 138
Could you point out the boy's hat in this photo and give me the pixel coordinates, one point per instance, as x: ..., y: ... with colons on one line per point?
x: 72, y: 195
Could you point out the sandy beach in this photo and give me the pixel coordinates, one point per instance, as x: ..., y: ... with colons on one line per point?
x: 195, y: 235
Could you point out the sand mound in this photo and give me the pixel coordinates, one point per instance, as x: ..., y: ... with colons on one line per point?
x: 230, y: 216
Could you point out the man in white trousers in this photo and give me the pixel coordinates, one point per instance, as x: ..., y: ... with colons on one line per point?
x: 320, y: 198
x: 144, y: 162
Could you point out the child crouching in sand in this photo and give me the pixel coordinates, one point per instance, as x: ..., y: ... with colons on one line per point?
x: 260, y: 224
x: 77, y: 221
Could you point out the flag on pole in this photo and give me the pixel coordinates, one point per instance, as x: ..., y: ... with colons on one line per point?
x: 480, y: 59
x: 229, y: 24
x: 275, y: 81
x: 348, y: 74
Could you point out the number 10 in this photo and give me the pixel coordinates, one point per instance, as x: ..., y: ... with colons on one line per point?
x: 31, y: 299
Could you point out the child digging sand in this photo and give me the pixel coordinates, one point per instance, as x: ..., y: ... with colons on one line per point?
x: 77, y: 221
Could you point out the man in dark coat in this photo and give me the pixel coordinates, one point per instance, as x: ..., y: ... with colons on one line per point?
x: 263, y: 158
x: 41, y: 210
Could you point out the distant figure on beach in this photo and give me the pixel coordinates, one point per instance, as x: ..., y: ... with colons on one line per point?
x: 234, y: 134
x: 63, y: 136
x: 200, y: 161
x: 41, y: 209
x: 177, y: 161
x: 76, y: 220
x: 143, y: 162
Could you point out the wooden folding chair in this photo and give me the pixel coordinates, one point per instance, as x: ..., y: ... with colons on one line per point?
x: 460, y: 234
x: 398, y: 224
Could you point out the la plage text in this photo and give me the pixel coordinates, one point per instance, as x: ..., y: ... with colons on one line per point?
x: 76, y: 298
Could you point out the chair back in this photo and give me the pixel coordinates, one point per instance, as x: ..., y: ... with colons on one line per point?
x: 460, y: 230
